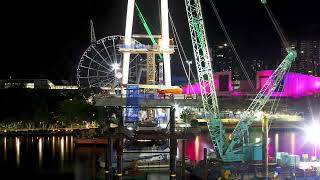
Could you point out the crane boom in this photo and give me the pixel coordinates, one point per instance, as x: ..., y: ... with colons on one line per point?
x: 202, y: 56
x: 204, y: 70
x: 252, y: 113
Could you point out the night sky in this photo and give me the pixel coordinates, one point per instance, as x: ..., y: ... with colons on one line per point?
x: 45, y: 39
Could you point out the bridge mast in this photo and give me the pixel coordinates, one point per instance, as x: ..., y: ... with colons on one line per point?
x: 164, y: 43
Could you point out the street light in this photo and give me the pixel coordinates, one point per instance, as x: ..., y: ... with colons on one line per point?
x: 115, y: 66
x: 189, y: 66
x: 118, y: 75
x: 313, y: 135
x: 176, y: 106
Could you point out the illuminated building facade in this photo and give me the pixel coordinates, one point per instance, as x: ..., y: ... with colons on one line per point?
x: 223, y: 60
x: 308, y: 60
x: 294, y: 85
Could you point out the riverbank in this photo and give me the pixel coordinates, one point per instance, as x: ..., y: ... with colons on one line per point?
x: 40, y: 131
x: 276, y: 125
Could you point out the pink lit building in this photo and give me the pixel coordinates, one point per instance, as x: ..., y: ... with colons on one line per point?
x: 293, y: 85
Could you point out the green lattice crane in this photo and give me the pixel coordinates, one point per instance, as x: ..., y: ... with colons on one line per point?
x: 229, y: 150
x: 263, y: 97
x: 204, y: 68
x: 253, y: 111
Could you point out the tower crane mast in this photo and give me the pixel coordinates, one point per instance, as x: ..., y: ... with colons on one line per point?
x: 203, y: 64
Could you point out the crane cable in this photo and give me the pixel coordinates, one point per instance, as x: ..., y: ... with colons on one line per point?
x: 275, y: 104
x: 231, y: 44
x: 276, y: 24
x: 276, y: 101
x: 182, y: 49
x: 176, y: 37
x: 286, y: 46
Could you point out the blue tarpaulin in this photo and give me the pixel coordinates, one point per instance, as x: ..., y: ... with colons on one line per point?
x: 132, y: 109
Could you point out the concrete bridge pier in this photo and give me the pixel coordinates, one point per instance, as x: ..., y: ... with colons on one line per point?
x: 173, y: 145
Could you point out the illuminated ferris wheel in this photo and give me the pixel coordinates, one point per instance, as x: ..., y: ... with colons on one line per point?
x: 101, y: 64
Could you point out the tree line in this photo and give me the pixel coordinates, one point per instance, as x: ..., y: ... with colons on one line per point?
x: 43, y: 108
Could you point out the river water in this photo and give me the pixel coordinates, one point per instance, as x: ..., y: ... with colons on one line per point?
x: 50, y: 156
x: 291, y: 141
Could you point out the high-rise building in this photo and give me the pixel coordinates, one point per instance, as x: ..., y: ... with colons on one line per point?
x: 223, y: 59
x: 252, y: 66
x: 308, y: 57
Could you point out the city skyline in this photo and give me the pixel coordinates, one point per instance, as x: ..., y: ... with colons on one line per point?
x: 308, y: 59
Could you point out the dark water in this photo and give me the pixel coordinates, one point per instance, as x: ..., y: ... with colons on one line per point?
x: 37, y: 156
x: 291, y: 141
x: 56, y: 157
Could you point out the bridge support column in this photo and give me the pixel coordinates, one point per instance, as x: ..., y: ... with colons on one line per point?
x: 205, y: 174
x: 120, y: 146
x: 183, y: 160
x: 265, y: 145
x: 108, y: 164
x: 119, y: 159
x: 173, y: 145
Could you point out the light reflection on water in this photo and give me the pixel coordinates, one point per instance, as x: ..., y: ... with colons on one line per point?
x: 292, y: 142
x: 36, y: 151
x: 196, y: 147
x: 53, y: 147
x: 40, y: 147
x: 17, y: 139
x: 5, y: 148
x: 72, y: 145
x: 276, y: 140
x: 59, y: 153
x: 67, y: 149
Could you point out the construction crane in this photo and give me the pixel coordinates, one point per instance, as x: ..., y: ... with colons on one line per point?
x: 233, y: 149
x: 204, y: 69
x: 253, y: 111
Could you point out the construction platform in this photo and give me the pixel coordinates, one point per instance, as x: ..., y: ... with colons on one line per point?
x: 150, y: 100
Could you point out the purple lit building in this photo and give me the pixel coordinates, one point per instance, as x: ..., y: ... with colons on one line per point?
x: 293, y: 85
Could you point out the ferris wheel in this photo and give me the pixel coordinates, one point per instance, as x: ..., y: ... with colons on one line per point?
x: 101, y: 64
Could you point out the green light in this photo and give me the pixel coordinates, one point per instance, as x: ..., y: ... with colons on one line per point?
x: 146, y: 27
